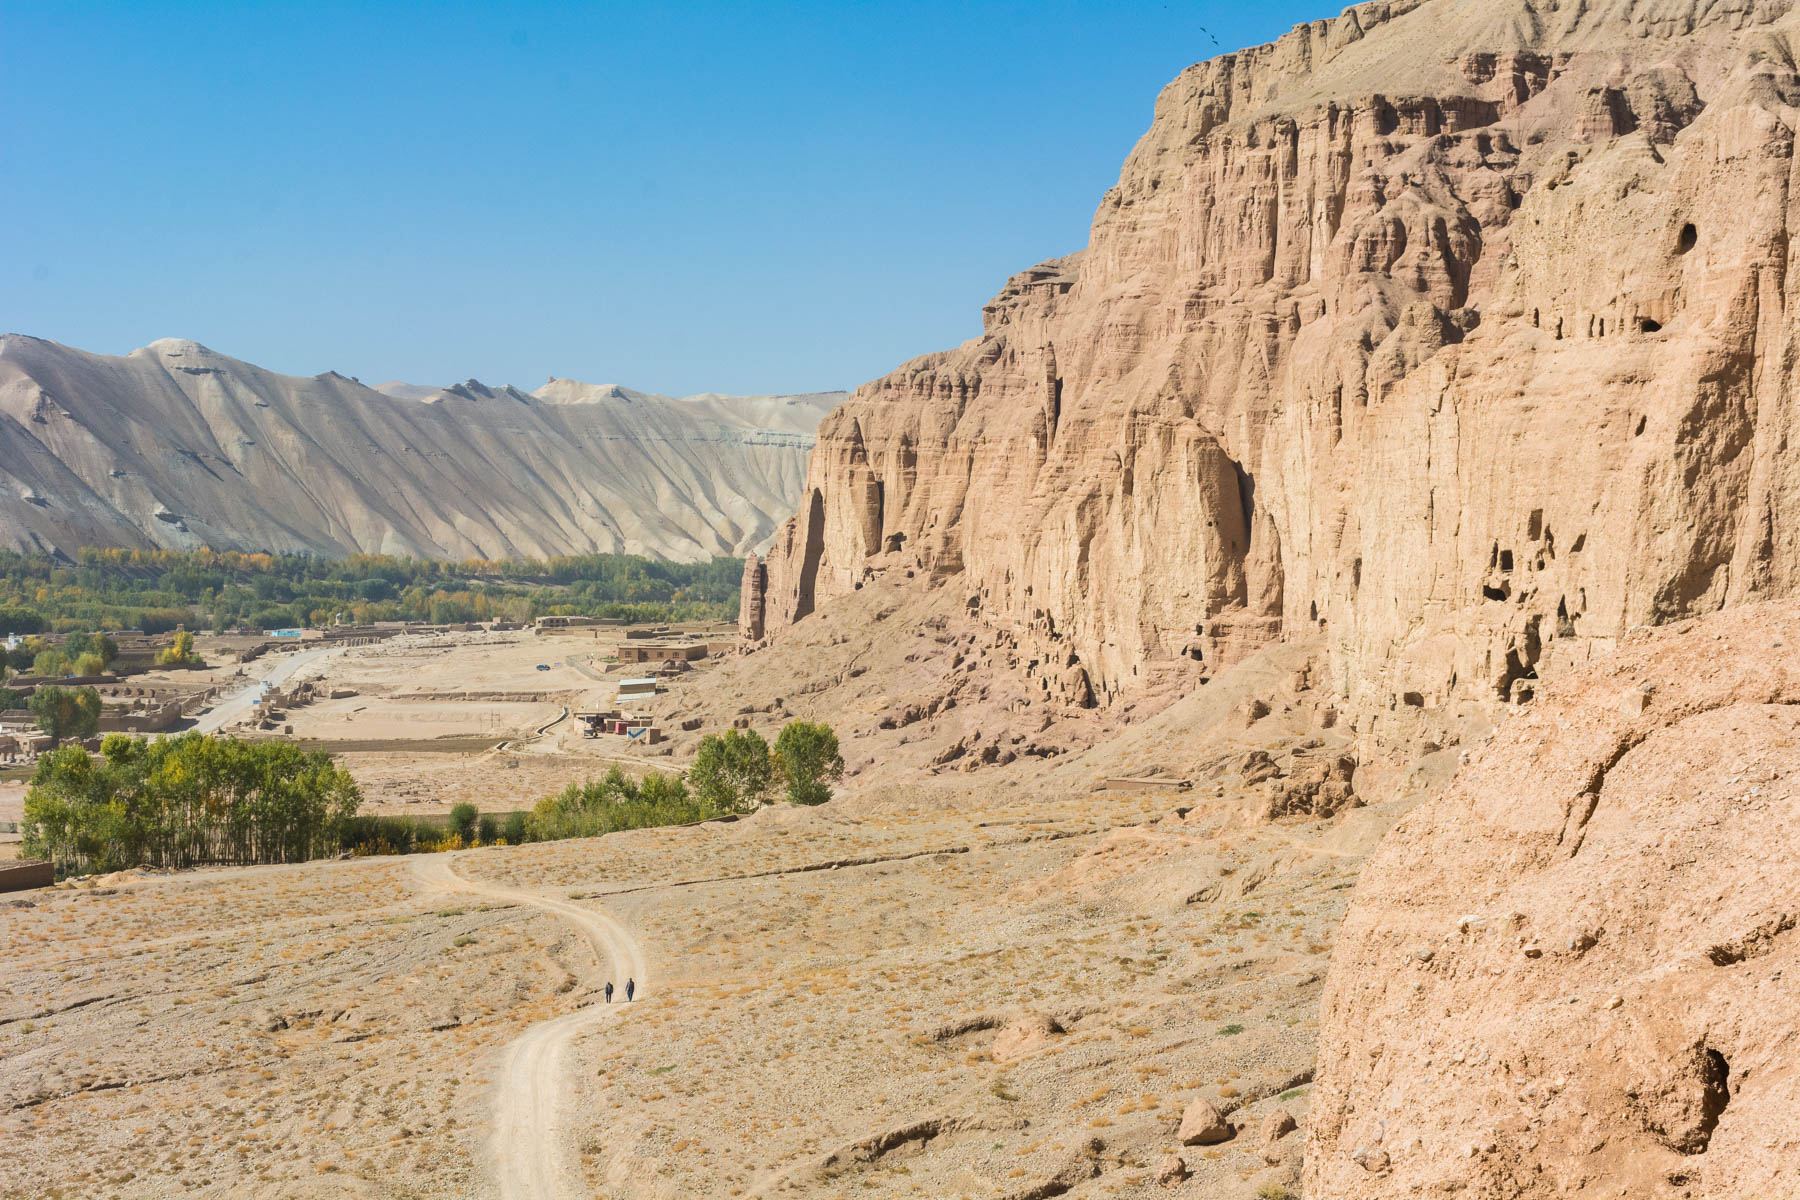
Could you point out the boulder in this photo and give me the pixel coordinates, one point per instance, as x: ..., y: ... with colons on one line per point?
x: 1202, y: 1125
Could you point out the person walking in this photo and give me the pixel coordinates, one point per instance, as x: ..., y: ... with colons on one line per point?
x: 609, y: 991
x: 630, y: 987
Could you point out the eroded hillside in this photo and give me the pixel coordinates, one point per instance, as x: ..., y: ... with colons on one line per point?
x: 178, y: 446
x: 1453, y: 332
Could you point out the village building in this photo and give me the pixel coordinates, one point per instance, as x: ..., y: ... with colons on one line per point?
x: 647, y: 652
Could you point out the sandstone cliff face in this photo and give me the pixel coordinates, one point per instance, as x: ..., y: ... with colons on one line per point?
x: 1453, y: 331
x: 1572, y: 974
x: 176, y: 445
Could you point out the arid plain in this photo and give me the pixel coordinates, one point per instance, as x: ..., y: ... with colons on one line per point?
x: 991, y: 981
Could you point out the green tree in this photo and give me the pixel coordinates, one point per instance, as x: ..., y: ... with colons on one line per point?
x: 732, y: 773
x: 79, y: 645
x: 66, y: 712
x: 514, y: 829
x: 51, y: 663
x: 462, y: 820
x: 808, y: 762
x: 89, y: 665
x: 180, y: 652
x: 19, y: 620
x: 489, y: 829
x: 180, y: 802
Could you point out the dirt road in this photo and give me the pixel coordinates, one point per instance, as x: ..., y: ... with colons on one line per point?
x: 239, y: 703
x: 530, y: 1152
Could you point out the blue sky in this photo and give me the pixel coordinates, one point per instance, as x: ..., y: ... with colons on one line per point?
x: 677, y: 197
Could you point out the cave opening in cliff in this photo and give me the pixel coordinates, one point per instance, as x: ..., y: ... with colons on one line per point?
x: 1521, y: 664
x: 1246, y: 484
x: 1690, y: 237
x: 809, y: 561
x: 1646, y: 325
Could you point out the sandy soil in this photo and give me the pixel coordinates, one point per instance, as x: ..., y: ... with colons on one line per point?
x: 417, y: 719
x: 966, y: 976
x: 840, y: 998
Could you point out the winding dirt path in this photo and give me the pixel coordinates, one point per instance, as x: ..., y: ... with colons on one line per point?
x: 530, y: 1154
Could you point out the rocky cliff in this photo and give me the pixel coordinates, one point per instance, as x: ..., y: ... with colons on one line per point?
x: 176, y: 445
x: 1452, y: 331
x: 1571, y: 974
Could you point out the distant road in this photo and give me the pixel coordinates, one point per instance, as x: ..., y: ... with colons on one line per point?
x: 239, y: 704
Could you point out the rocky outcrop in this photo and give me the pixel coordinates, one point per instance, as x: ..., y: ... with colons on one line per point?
x: 1571, y: 975
x: 1455, y: 333
x: 177, y: 446
x: 750, y: 598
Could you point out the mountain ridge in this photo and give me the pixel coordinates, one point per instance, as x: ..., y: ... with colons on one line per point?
x: 177, y: 445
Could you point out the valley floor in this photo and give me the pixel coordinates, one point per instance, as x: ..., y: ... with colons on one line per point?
x: 993, y: 998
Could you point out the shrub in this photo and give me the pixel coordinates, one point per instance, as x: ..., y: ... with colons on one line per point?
x: 462, y: 821
x: 807, y: 758
x: 514, y: 829
x: 385, y: 835
x: 489, y: 829
x: 612, y: 803
x: 89, y: 665
x: 732, y: 773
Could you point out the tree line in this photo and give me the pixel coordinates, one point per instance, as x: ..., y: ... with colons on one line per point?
x: 158, y: 590
x: 186, y: 801
x: 81, y: 653
x: 198, y: 800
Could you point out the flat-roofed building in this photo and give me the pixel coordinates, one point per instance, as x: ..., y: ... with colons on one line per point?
x: 636, y: 691
x: 644, y: 652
